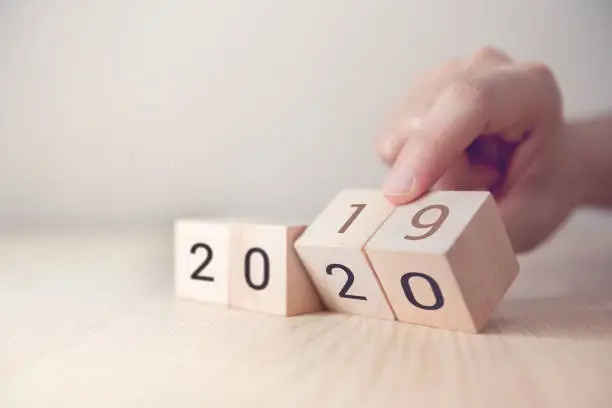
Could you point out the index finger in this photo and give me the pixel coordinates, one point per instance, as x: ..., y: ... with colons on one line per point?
x: 510, y: 96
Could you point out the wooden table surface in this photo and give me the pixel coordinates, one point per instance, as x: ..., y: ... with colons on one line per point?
x: 88, y: 319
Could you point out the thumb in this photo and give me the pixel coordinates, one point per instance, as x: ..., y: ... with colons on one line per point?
x: 457, y: 118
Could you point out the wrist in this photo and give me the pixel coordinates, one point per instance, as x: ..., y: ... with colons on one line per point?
x: 573, y: 164
x: 589, y: 152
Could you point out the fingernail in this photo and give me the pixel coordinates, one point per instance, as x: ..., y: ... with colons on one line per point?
x: 399, y: 182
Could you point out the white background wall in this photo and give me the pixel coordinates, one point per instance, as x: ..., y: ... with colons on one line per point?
x: 141, y: 111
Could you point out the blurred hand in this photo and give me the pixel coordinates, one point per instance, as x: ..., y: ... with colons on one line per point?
x: 486, y: 123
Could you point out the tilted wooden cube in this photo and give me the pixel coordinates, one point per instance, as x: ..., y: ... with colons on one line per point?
x: 271, y: 278
x: 331, y: 248
x: 444, y: 260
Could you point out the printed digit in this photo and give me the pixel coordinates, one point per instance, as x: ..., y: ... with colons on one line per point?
x: 350, y: 278
x: 359, y: 209
x: 434, y: 287
x: 209, y: 255
x: 266, y: 269
x: 434, y: 226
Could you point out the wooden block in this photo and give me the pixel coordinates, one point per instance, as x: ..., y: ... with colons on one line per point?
x: 203, y: 258
x: 445, y: 260
x: 271, y: 278
x: 331, y: 248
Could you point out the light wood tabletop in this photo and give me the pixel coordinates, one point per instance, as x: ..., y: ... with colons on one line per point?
x: 88, y: 319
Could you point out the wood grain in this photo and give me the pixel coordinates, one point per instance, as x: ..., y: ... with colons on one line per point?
x: 88, y: 318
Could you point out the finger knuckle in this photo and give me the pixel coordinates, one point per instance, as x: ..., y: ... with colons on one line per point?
x: 386, y: 150
x: 539, y: 69
x: 544, y: 78
x: 489, y: 52
x: 470, y: 93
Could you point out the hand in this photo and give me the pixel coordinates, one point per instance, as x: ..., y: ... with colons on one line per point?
x: 486, y: 123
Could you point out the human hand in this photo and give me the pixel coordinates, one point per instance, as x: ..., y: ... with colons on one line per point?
x: 486, y: 123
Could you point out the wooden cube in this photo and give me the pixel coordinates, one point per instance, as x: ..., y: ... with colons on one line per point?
x: 444, y: 260
x: 270, y: 277
x: 204, y: 254
x: 331, y: 248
